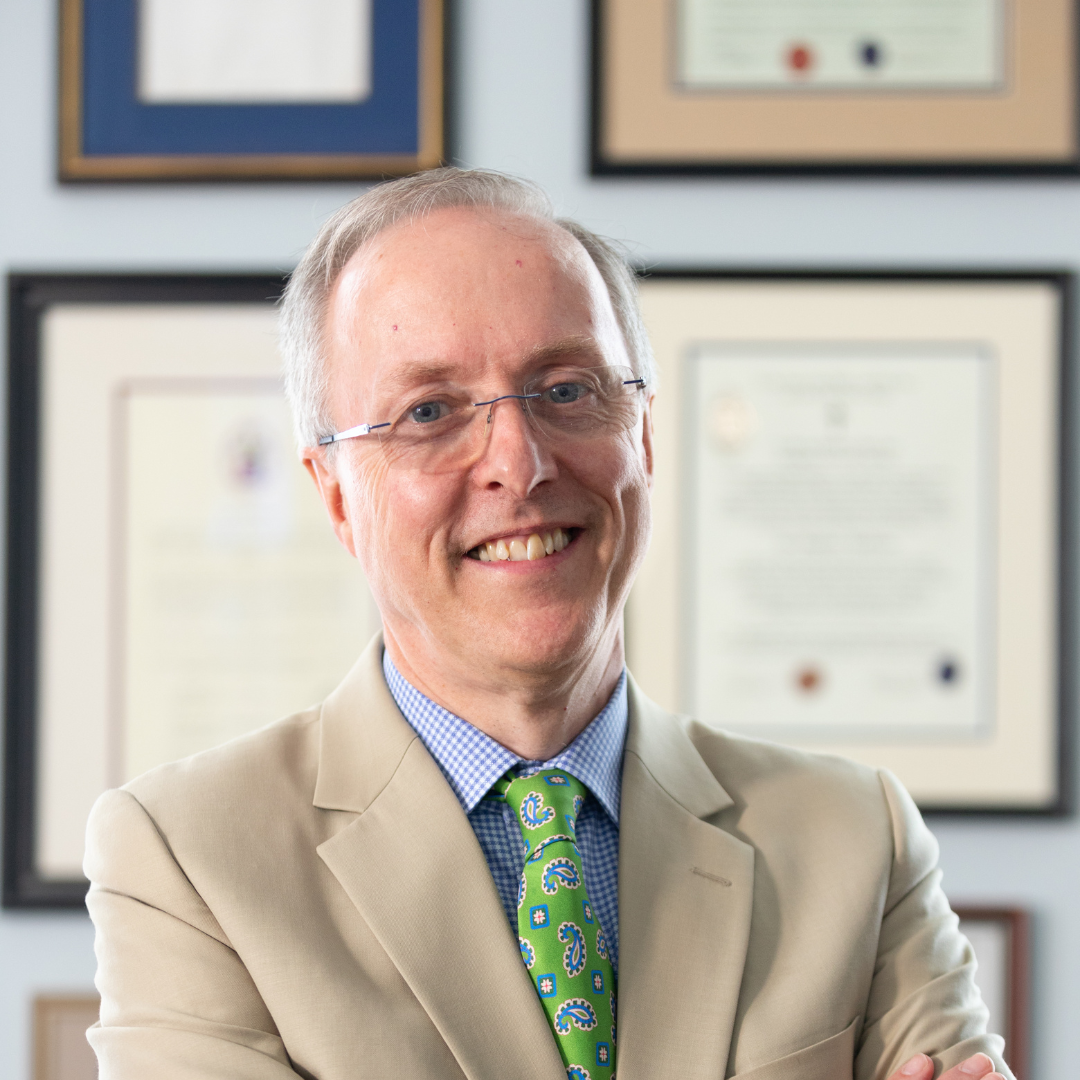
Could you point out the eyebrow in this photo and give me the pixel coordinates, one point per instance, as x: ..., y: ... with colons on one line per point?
x: 439, y: 371
x: 556, y: 350
x: 417, y: 374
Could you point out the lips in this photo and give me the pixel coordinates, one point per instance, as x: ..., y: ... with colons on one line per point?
x: 523, y: 548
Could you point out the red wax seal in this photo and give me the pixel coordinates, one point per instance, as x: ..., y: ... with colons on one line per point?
x: 800, y: 59
x: 809, y: 679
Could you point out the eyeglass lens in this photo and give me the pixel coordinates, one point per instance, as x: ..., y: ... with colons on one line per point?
x: 575, y: 404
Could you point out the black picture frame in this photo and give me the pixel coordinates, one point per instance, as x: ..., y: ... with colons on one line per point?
x: 29, y: 297
x: 1063, y: 284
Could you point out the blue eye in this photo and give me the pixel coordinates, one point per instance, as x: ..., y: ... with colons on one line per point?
x: 564, y: 393
x: 427, y: 411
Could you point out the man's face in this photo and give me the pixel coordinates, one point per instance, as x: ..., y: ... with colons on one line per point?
x: 474, y: 303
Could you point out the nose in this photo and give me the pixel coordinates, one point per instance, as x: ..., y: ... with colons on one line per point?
x: 514, y: 456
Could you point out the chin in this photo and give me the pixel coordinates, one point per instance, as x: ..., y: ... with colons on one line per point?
x: 538, y: 641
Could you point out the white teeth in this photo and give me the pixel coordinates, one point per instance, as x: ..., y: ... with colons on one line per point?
x: 535, y: 546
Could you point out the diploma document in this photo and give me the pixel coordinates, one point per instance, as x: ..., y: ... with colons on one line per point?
x: 254, y: 51
x: 239, y: 603
x: 841, y: 44
x: 840, y: 575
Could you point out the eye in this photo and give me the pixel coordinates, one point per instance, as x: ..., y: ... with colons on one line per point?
x: 564, y: 393
x: 428, y: 411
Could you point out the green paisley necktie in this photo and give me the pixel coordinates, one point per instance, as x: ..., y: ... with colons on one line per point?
x: 561, y: 941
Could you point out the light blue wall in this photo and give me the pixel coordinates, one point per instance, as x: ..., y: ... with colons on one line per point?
x: 521, y: 80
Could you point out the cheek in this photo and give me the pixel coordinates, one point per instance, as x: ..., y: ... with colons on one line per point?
x: 397, y: 516
x: 631, y: 505
x: 619, y: 476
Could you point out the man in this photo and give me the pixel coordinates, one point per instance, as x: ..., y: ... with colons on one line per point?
x: 487, y: 854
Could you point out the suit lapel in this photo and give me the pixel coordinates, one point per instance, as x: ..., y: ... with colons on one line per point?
x: 411, y: 864
x: 685, y: 897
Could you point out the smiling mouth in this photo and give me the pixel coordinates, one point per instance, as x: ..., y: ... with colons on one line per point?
x: 523, y: 548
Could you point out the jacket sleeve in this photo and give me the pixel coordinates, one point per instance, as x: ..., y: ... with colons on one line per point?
x: 177, y: 1003
x: 923, y: 998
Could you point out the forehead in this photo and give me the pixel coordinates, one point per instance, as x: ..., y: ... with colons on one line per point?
x: 465, y: 292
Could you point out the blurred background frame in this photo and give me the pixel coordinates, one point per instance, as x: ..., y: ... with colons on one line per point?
x: 172, y: 581
x: 245, y: 90
x: 1001, y: 937
x: 859, y: 515
x: 61, y: 1051
x: 981, y: 87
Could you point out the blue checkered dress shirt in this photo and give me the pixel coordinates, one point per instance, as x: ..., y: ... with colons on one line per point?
x: 472, y: 761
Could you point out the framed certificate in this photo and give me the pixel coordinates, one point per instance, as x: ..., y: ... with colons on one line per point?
x: 1000, y: 937
x: 172, y: 580
x: 858, y: 525
x: 819, y: 86
x: 238, y: 89
x: 61, y: 1051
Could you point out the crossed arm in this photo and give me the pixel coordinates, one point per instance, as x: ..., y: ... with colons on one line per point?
x: 177, y: 999
x: 920, y: 1067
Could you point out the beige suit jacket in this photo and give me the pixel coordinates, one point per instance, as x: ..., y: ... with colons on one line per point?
x: 311, y: 900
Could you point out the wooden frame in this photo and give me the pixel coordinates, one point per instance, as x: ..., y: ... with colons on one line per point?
x: 1013, y: 925
x: 60, y: 1049
x: 106, y: 134
x: 643, y: 123
x: 683, y: 308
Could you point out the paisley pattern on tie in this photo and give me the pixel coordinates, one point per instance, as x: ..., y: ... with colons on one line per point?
x: 562, y: 942
x: 560, y: 871
x: 528, y: 953
x: 534, y: 814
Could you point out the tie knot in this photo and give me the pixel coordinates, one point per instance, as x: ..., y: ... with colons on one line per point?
x: 547, y: 805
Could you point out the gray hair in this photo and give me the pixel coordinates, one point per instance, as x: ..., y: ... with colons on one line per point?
x: 304, y: 304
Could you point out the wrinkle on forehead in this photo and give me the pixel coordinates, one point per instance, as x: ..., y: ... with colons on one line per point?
x: 414, y: 263
x: 550, y: 241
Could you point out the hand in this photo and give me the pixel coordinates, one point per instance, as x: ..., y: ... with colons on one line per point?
x: 920, y: 1067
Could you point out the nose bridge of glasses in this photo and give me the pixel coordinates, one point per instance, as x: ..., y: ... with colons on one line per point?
x: 492, y: 402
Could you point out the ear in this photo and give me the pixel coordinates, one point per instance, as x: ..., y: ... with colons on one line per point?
x: 320, y: 467
x: 647, y: 438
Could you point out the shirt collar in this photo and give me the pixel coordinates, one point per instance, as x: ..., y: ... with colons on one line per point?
x: 472, y: 761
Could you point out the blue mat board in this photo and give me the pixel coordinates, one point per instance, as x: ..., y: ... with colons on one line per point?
x: 116, y: 122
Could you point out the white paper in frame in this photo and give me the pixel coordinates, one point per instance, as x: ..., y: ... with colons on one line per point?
x: 177, y: 405
x: 1004, y: 755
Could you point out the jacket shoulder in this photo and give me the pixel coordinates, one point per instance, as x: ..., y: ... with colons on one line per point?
x: 780, y: 787
x: 756, y: 761
x: 275, y: 765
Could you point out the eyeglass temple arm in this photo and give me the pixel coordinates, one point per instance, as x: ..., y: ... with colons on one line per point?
x: 351, y: 433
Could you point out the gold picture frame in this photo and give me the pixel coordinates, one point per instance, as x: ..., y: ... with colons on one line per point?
x: 107, y: 134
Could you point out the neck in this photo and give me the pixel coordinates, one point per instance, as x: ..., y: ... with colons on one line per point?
x: 534, y: 719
